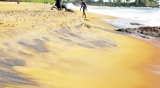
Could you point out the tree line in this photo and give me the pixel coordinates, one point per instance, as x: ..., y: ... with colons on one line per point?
x: 138, y: 3
x: 145, y: 2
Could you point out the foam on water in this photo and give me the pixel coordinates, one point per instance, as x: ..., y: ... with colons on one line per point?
x: 146, y: 15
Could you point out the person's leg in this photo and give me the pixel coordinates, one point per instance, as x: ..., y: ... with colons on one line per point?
x: 57, y: 6
x: 84, y: 14
x: 60, y: 5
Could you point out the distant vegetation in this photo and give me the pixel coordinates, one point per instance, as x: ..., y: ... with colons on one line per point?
x: 38, y: 1
x: 138, y: 3
x: 145, y: 2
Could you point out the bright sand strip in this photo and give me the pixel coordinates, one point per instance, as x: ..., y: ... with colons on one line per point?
x: 75, y: 58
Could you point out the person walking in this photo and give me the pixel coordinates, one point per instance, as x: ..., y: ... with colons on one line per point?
x: 84, y: 6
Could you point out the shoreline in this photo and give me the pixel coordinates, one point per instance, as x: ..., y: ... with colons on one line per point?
x: 73, y: 53
x: 146, y: 16
x: 122, y: 24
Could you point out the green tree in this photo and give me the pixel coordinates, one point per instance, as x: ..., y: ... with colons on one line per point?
x: 118, y: 0
x: 137, y: 2
x: 142, y: 2
x: 100, y: 2
x: 146, y: 2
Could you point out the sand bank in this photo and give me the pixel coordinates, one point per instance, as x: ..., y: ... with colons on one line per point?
x: 49, y: 49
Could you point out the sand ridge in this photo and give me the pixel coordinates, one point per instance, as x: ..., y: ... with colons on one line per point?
x: 22, y: 22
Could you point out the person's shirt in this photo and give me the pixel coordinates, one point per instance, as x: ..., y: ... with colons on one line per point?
x: 83, y: 5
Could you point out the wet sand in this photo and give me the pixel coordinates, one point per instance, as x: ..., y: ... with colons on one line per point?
x: 50, y: 49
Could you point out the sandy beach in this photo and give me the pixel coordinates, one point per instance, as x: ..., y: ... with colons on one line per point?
x: 42, y: 48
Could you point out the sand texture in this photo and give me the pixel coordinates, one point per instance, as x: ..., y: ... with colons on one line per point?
x: 40, y: 48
